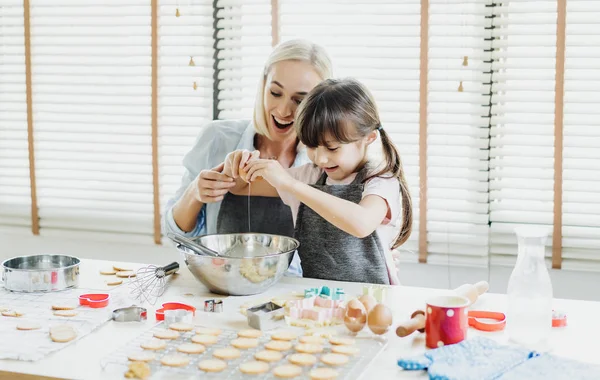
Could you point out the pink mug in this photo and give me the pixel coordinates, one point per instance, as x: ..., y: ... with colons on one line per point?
x: 446, y: 320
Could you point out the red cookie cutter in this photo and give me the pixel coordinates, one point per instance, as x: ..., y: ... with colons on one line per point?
x: 160, y: 313
x: 559, y: 319
x: 94, y: 300
x: 498, y: 324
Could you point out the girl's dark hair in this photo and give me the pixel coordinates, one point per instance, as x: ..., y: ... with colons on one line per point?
x: 345, y: 110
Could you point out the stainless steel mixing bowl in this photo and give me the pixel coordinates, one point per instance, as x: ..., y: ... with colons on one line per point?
x: 247, y: 263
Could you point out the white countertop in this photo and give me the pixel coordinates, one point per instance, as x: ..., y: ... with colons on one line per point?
x: 81, y: 359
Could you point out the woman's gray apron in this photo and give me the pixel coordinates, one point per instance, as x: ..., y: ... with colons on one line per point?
x: 268, y: 215
x: 328, y: 253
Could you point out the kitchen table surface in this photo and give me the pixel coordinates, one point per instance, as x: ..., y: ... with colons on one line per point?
x: 82, y: 358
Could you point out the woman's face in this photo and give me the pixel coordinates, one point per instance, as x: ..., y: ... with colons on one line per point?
x: 287, y: 83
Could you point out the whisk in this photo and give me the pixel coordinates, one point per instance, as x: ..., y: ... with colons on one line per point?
x: 150, y: 282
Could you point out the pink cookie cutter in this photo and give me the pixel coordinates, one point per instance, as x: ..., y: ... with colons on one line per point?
x: 326, y: 309
x: 94, y: 300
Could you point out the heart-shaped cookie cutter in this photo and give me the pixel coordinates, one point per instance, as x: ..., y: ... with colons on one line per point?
x: 160, y: 313
x: 94, y: 300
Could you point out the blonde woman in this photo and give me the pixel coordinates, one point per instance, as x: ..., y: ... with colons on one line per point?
x: 203, y: 204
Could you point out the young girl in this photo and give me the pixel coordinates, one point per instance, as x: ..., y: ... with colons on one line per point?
x: 345, y: 210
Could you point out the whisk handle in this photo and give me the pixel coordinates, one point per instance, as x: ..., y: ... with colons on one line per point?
x: 171, y: 268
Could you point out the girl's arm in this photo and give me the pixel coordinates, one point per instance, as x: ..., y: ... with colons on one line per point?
x: 358, y: 220
x: 234, y: 167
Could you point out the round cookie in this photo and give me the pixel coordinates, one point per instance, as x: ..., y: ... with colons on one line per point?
x: 62, y: 333
x: 175, y: 360
x: 323, y: 373
x: 334, y: 359
x: 191, y: 348
x: 114, y: 282
x: 181, y: 326
x: 25, y: 326
x: 208, y: 331
x: 249, y: 333
x: 227, y: 353
x: 166, y: 334
x: 309, y: 348
x: 254, y: 367
x: 154, y: 344
x: 284, y: 335
x: 13, y: 313
x: 125, y: 274
x: 345, y: 350
x: 65, y: 313
x: 206, y: 340
x: 314, y: 339
x: 244, y: 343
x: 278, y: 345
x: 341, y: 341
x: 121, y: 268
x: 212, y: 365
x: 287, y: 371
x: 63, y: 307
x: 108, y: 272
x: 268, y: 356
x: 143, y: 356
x: 306, y: 360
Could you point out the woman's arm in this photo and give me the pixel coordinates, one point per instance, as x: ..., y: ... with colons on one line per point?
x: 358, y: 220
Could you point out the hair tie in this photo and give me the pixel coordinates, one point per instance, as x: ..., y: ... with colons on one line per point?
x: 379, y: 127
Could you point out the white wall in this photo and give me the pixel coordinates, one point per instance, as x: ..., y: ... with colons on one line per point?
x: 567, y: 284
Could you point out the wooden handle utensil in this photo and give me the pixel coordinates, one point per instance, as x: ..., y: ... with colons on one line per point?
x: 416, y: 322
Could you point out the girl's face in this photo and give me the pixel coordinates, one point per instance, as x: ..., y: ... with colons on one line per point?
x: 340, y: 160
x: 286, y: 85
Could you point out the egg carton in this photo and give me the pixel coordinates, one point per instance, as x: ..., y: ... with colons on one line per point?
x: 117, y: 362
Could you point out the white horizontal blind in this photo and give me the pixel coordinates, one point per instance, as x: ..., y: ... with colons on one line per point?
x: 522, y: 143
x: 581, y: 149
x: 458, y: 132
x: 377, y: 43
x: 185, y: 84
x: 15, y: 196
x: 91, y: 83
x: 243, y: 43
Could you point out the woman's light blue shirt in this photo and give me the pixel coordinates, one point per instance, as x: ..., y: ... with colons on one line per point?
x: 217, y: 139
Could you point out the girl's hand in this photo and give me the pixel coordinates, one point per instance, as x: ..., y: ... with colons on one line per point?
x: 236, y: 160
x: 271, y: 171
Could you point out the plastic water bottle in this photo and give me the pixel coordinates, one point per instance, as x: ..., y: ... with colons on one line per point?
x: 529, y: 317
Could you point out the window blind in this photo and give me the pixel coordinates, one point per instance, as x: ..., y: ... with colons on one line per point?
x: 522, y: 128
x: 185, y: 84
x: 581, y: 149
x: 377, y: 43
x: 91, y: 83
x: 243, y: 42
x: 15, y: 195
x: 458, y: 132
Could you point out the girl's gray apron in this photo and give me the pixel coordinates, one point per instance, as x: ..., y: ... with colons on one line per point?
x: 268, y: 215
x: 328, y: 253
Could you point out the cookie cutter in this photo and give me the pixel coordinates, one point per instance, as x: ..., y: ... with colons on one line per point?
x: 94, y: 300
x: 129, y: 314
x: 559, y: 319
x: 213, y: 306
x: 325, y: 292
x: 264, y: 316
x: 160, y: 313
x: 178, y: 315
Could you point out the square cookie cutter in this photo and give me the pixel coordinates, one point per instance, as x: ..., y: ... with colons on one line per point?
x: 265, y: 316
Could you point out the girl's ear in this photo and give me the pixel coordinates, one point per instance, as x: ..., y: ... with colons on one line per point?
x: 372, y: 136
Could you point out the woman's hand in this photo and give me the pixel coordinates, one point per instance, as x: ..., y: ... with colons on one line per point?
x: 212, y: 185
x: 271, y: 171
x: 235, y: 162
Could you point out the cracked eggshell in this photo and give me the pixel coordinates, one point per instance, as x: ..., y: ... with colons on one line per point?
x: 355, y: 316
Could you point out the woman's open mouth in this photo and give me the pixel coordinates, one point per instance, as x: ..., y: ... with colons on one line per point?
x: 282, y: 125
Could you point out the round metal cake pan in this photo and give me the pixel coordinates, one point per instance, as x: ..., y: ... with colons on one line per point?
x: 40, y: 273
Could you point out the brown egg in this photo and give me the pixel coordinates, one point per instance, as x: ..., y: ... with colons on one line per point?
x: 244, y: 175
x: 380, y: 319
x: 369, y: 301
x: 355, y: 316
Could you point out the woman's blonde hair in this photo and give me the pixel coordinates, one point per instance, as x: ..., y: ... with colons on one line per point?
x: 292, y: 50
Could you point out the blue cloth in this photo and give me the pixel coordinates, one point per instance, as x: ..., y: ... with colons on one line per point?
x: 473, y: 359
x: 215, y: 140
x: 483, y: 359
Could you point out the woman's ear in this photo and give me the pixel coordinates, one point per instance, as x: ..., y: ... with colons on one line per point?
x: 372, y: 136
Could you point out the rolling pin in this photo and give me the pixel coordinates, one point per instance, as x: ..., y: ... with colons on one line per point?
x: 417, y: 319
